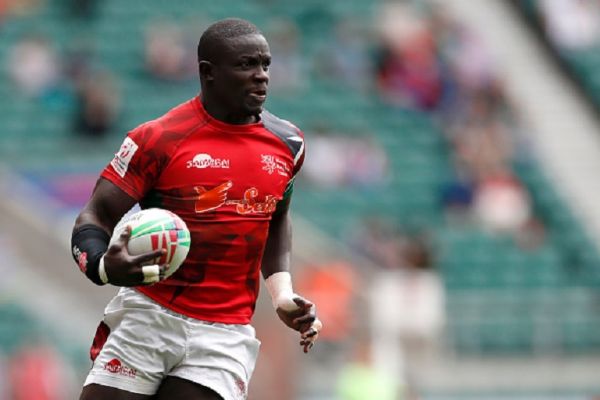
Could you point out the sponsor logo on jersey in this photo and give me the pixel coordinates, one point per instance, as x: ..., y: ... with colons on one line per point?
x: 273, y: 164
x: 203, y: 160
x: 123, y: 157
x: 115, y: 366
x: 250, y: 205
x: 211, y: 199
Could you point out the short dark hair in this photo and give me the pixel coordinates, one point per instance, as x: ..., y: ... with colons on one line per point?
x: 224, y: 29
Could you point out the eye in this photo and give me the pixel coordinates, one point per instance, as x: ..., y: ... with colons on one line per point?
x: 249, y: 63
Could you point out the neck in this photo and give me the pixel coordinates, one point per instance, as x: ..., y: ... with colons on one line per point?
x: 224, y: 115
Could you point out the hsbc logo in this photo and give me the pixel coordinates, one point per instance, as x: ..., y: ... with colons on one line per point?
x: 203, y: 160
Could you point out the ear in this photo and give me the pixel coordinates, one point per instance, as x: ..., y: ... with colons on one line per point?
x: 206, y: 69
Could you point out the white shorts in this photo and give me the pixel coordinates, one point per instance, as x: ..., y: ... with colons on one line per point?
x: 140, y: 343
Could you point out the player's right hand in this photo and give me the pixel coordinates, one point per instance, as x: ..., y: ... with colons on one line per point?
x: 124, y: 269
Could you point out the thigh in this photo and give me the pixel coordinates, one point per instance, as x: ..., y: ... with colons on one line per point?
x: 221, y: 357
x: 99, y: 392
x: 135, y: 346
x: 173, y: 388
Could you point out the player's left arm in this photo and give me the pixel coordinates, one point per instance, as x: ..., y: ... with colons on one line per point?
x: 294, y: 310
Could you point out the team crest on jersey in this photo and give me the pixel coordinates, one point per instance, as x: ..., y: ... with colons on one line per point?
x: 273, y: 164
x: 123, y: 157
x: 203, y: 160
x: 211, y: 199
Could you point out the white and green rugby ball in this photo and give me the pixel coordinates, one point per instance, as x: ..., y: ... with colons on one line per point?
x: 153, y: 229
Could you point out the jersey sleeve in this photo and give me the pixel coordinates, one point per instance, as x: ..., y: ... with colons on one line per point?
x: 299, y: 154
x: 137, y: 164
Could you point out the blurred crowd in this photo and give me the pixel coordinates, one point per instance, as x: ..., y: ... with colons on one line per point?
x: 432, y: 63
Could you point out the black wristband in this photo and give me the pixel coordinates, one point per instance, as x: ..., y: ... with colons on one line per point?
x: 88, y: 244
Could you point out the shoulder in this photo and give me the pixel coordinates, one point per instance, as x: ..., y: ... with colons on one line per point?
x: 170, y: 128
x: 287, y: 132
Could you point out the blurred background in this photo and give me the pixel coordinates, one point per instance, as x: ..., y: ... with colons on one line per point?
x: 447, y: 217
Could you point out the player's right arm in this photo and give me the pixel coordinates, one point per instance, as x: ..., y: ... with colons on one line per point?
x: 91, y: 236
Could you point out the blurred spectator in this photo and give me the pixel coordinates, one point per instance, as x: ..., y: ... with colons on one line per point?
x: 78, y: 60
x: 345, y: 55
x: 98, y: 105
x: 367, y: 162
x: 409, y: 72
x: 326, y: 163
x: 407, y: 310
x: 339, y: 160
x: 37, y: 372
x: 360, y: 380
x: 168, y: 55
x: 288, y: 69
x: 483, y: 147
x: 457, y: 200
x: 332, y: 286
x: 379, y: 241
x: 462, y: 49
x: 502, y: 204
x: 571, y: 24
x: 34, y: 66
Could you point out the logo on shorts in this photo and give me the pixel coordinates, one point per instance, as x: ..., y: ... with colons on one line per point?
x: 241, y: 386
x: 114, y: 366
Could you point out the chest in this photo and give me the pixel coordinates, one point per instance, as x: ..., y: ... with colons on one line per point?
x: 235, y: 167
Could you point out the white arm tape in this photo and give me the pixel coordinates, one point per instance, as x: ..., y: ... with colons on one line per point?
x: 102, y: 271
x: 151, y: 273
x: 279, y: 286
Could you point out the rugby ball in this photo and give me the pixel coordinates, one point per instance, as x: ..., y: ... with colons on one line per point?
x: 153, y: 229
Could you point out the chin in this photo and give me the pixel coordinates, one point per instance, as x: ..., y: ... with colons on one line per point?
x: 253, y: 110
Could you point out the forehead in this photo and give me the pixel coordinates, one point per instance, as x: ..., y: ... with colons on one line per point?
x: 246, y: 45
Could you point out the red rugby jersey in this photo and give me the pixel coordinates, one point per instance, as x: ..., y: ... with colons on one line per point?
x: 225, y: 182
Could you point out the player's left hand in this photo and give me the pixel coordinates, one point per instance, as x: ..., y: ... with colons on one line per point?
x: 302, y: 317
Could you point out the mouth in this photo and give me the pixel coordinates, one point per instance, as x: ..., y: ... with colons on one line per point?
x: 259, y: 94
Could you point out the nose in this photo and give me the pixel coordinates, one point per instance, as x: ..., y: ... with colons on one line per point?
x: 261, y: 75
